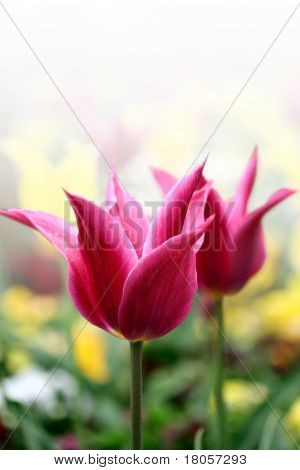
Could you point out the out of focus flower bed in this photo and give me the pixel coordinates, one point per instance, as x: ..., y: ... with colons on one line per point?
x: 64, y: 384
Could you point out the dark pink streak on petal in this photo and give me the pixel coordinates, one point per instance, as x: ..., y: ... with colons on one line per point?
x: 214, y: 259
x: 159, y: 291
x: 107, y: 254
x: 82, y: 291
x: 195, y: 215
x: 131, y: 215
x: 249, y: 256
x: 171, y: 216
x: 244, y: 189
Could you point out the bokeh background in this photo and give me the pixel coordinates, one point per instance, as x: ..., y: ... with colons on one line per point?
x: 150, y: 82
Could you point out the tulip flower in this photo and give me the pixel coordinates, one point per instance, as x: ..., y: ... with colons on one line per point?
x: 233, y: 251
x: 234, y: 248
x: 125, y: 275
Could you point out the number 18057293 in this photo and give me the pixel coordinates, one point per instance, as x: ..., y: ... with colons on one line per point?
x: 222, y: 459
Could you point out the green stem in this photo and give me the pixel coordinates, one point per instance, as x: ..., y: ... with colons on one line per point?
x: 219, y: 377
x: 136, y: 353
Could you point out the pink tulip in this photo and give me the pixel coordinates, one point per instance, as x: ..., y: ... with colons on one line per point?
x: 233, y: 249
x: 133, y: 279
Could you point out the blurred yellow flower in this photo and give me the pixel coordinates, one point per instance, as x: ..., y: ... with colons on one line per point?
x: 280, y: 312
x: 292, y: 418
x: 294, y: 248
x: 26, y: 308
x: 45, y: 169
x: 240, y: 395
x: 17, y: 360
x: 243, y: 323
x: 89, y: 350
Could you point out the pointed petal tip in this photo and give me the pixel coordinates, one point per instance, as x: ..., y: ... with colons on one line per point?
x: 10, y: 212
x: 255, y: 152
x: 194, y: 235
x: 202, y: 165
x: 156, y: 171
x: 72, y: 198
x: 276, y: 198
x: 153, y: 168
x: 67, y: 193
x: 287, y: 192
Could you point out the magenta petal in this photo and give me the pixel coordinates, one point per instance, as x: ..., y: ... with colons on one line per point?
x: 244, y: 189
x: 215, y: 257
x: 58, y: 232
x: 81, y: 284
x: 170, y: 217
x: 129, y: 212
x: 82, y: 290
x: 273, y: 200
x: 159, y: 291
x: 249, y: 256
x: 250, y: 251
x: 110, y: 190
x: 164, y: 179
x: 107, y: 257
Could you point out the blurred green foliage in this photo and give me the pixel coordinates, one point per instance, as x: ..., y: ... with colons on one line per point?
x: 85, y: 413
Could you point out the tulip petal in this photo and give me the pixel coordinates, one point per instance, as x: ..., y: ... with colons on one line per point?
x: 159, y: 291
x: 86, y: 298
x: 249, y: 239
x: 107, y: 254
x: 249, y: 256
x: 277, y: 197
x: 214, y: 259
x: 130, y: 214
x: 110, y: 189
x: 64, y: 238
x: 58, y: 232
x: 170, y: 217
x: 244, y: 189
x: 164, y: 179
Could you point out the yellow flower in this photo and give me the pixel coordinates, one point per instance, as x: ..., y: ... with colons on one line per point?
x: 280, y: 311
x: 89, y: 350
x: 241, y: 395
x: 17, y: 360
x: 294, y: 248
x: 292, y: 417
x: 26, y: 308
x: 41, y: 176
x: 243, y: 323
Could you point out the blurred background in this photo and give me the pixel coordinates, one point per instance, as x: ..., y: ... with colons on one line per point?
x: 149, y: 82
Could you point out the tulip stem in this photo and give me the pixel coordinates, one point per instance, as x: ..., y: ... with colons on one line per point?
x: 136, y: 353
x: 219, y: 376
